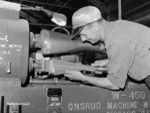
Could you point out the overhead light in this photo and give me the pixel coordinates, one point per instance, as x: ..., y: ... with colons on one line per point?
x: 59, y: 19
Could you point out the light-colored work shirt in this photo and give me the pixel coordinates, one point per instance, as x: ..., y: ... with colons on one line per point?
x: 128, y: 49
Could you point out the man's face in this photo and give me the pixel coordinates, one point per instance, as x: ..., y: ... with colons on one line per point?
x: 89, y: 34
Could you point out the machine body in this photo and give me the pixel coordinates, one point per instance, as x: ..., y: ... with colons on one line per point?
x: 14, y: 49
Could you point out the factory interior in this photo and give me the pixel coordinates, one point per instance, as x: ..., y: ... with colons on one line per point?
x: 37, y: 53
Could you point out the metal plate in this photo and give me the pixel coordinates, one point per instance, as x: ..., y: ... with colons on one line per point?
x: 14, y: 49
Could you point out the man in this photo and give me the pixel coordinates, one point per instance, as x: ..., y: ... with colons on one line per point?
x: 127, y: 46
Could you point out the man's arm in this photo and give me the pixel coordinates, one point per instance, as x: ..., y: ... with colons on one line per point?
x: 121, y: 56
x: 101, y: 82
x: 97, y: 81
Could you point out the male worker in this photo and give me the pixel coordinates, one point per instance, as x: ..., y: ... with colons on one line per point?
x: 127, y: 46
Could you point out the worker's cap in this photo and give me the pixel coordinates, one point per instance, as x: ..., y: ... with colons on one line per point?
x: 82, y: 17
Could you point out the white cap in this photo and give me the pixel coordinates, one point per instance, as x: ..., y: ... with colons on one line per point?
x: 84, y: 16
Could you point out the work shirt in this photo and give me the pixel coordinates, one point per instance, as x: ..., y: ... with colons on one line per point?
x: 128, y: 49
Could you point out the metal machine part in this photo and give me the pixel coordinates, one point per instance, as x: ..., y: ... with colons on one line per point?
x: 58, y: 67
x: 53, y: 43
x: 14, y: 52
x: 62, y: 29
x: 50, y: 46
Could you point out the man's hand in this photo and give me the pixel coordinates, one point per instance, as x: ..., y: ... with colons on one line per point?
x: 100, y: 63
x: 74, y: 75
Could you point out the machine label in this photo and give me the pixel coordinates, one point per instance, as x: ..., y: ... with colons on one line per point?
x: 21, y: 103
x: 136, y: 102
x: 133, y: 95
x: 131, y: 100
x: 84, y: 106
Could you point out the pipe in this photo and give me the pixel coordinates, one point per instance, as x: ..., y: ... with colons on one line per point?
x: 147, y: 3
x: 143, y: 20
x: 119, y: 10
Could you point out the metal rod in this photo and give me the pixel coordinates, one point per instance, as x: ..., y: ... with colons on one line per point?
x: 119, y: 10
x: 30, y: 8
x: 147, y: 3
x: 48, y: 25
x: 51, y: 81
x: 48, y: 4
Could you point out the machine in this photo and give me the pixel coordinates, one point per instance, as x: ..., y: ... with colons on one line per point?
x: 32, y: 81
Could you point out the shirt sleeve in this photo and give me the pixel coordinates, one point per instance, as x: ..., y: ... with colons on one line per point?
x: 120, y: 58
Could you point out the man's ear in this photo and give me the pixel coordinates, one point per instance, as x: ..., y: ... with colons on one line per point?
x: 96, y: 26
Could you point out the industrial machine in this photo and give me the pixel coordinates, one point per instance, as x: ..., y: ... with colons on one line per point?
x: 32, y: 81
